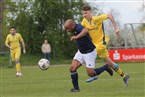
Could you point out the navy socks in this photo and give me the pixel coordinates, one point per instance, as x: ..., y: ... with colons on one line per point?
x: 74, y: 77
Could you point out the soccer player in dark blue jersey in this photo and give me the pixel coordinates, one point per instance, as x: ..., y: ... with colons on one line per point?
x: 86, y: 54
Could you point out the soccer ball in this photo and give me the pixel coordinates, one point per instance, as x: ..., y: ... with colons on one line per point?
x: 44, y: 64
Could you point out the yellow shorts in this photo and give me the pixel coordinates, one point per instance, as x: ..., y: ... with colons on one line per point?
x: 15, y: 53
x: 102, y: 51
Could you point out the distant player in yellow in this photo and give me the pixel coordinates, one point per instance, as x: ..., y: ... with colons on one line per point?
x: 94, y: 24
x: 13, y: 41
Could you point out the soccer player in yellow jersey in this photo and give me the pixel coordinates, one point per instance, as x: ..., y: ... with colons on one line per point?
x: 13, y: 41
x: 94, y: 24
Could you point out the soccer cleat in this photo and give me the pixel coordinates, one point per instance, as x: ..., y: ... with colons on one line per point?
x: 109, y: 70
x: 92, y: 78
x: 125, y: 79
x: 18, y: 74
x: 75, y: 90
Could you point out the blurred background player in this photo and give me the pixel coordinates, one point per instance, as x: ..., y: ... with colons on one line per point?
x: 94, y: 24
x: 13, y: 41
x: 46, y: 49
x: 86, y: 54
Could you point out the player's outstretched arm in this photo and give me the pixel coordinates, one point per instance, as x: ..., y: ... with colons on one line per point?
x: 23, y: 45
x: 83, y: 33
x: 110, y: 16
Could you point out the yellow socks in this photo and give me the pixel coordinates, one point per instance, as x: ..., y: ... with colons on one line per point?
x: 18, y: 67
x: 120, y: 72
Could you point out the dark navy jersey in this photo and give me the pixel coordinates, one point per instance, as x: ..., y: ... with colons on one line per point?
x: 84, y: 43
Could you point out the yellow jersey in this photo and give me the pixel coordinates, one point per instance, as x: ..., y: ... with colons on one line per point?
x: 14, y: 40
x: 95, y: 28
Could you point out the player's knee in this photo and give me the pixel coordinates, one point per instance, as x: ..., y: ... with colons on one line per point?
x: 72, y: 69
x: 90, y: 73
x: 17, y: 61
x: 109, y: 62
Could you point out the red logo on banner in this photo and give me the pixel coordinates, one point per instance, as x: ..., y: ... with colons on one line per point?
x: 125, y: 55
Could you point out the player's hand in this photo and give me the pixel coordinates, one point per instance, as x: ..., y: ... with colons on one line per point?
x: 117, y: 32
x: 24, y: 51
x: 11, y: 48
x: 73, y: 38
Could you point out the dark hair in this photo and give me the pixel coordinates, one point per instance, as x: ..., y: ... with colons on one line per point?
x: 12, y: 27
x: 86, y: 8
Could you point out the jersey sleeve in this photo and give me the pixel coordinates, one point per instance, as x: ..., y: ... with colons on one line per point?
x: 83, y: 22
x: 101, y: 18
x: 20, y: 37
x: 7, y: 40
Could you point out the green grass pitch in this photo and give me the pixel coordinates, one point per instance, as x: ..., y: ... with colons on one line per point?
x: 55, y: 82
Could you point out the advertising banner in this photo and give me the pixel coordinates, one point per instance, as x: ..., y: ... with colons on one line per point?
x: 127, y: 55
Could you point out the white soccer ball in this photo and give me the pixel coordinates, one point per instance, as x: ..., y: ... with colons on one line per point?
x: 44, y: 64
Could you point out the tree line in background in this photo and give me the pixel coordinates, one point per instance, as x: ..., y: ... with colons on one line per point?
x: 37, y: 20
